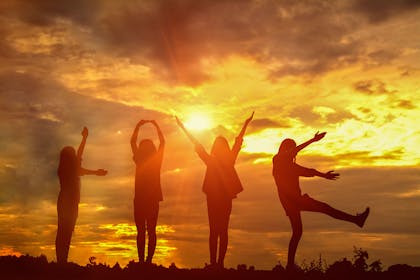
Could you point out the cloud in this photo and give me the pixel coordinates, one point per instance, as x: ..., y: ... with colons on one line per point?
x: 405, y: 104
x: 47, y: 12
x: 260, y: 124
x: 377, y: 11
x: 177, y: 39
x: 384, y: 56
x: 372, y: 87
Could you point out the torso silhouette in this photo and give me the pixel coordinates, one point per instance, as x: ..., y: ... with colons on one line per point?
x: 69, y: 196
x: 221, y: 179
x: 286, y: 175
x: 147, y: 181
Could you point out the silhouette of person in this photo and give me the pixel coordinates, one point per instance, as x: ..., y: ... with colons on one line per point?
x: 221, y: 185
x: 148, y: 191
x: 69, y: 172
x: 286, y: 174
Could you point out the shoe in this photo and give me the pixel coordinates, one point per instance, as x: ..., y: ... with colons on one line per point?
x: 361, y: 218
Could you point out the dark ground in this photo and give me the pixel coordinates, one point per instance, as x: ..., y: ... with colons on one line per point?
x: 28, y: 267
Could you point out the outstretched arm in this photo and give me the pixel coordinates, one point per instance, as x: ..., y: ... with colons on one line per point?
x: 238, y: 141
x: 330, y: 175
x: 98, y: 172
x: 318, y: 136
x: 181, y: 125
x: 135, y: 135
x: 198, y: 147
x: 310, y: 172
x: 247, y: 121
x: 85, y: 133
x: 160, y: 134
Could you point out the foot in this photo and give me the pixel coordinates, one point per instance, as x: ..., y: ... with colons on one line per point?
x: 361, y: 218
x: 149, y: 263
x: 220, y: 266
x: 211, y: 266
x: 293, y: 269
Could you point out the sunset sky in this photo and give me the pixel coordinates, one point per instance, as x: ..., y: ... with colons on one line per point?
x: 351, y: 68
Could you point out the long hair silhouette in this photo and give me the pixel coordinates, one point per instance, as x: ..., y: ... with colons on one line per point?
x: 220, y: 148
x: 286, y: 175
x: 69, y: 172
x: 221, y: 184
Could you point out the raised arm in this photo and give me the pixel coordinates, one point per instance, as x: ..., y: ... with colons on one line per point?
x: 238, y: 141
x: 198, y: 147
x: 247, y: 121
x: 85, y: 133
x: 160, y: 134
x: 135, y: 135
x: 181, y: 125
x: 318, y: 136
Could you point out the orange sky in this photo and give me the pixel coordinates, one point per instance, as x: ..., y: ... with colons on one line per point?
x: 351, y: 68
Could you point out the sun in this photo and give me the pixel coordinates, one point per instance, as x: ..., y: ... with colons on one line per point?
x: 198, y: 121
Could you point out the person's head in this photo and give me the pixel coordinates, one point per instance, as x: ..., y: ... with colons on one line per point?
x: 68, y: 161
x: 288, y: 147
x: 220, y: 148
x: 146, y: 149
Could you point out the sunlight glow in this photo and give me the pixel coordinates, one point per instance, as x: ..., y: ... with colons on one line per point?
x: 119, y: 243
x: 198, y: 121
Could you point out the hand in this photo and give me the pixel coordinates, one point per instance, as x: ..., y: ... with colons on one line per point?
x: 318, y: 136
x: 101, y: 172
x: 142, y: 122
x: 85, y: 132
x: 330, y: 175
x: 248, y: 120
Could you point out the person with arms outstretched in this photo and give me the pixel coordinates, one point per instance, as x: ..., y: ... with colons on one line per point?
x: 69, y: 172
x: 148, y: 191
x: 221, y: 185
x: 286, y: 174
